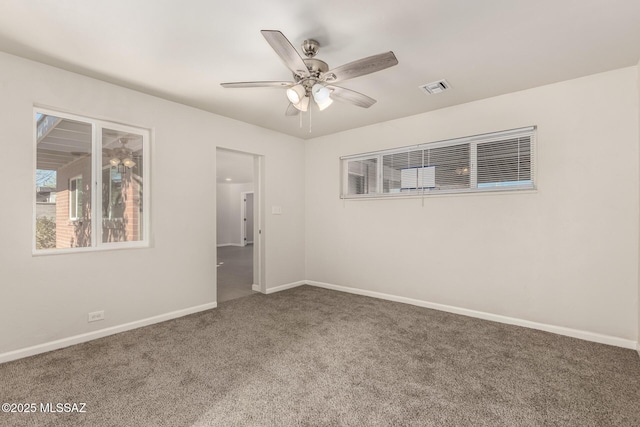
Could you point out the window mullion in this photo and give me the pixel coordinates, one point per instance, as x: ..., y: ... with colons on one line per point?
x: 379, y: 183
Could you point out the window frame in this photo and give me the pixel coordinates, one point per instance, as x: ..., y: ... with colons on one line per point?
x: 474, y: 188
x: 96, y: 182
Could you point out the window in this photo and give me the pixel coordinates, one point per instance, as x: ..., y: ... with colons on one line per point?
x: 75, y: 198
x: 504, y: 163
x: 83, y: 163
x: 497, y: 161
x: 362, y: 176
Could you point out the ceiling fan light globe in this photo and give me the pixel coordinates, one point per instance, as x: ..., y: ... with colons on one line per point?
x: 303, y: 105
x: 292, y: 96
x: 114, y: 161
x: 295, y: 94
x: 320, y: 92
x: 128, y: 162
x: 324, y: 104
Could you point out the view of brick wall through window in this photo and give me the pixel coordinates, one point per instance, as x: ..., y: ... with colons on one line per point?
x: 64, y: 211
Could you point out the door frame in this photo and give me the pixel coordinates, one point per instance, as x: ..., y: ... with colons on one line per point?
x: 243, y: 213
x: 259, y: 282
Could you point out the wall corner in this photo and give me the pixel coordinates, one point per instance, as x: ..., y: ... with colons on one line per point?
x: 638, y: 266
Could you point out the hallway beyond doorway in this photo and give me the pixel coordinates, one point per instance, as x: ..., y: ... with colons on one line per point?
x: 235, y: 272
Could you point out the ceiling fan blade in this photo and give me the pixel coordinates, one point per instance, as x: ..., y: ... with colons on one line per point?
x: 361, y: 67
x: 257, y: 84
x: 291, y: 111
x: 351, y: 96
x: 286, y: 52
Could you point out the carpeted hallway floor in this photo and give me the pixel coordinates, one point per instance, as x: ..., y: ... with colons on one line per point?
x: 310, y: 356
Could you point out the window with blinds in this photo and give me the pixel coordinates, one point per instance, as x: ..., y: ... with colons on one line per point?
x: 362, y: 176
x: 496, y: 161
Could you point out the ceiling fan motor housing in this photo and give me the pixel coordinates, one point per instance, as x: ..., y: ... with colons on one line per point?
x: 310, y: 48
x: 316, y: 69
x: 315, y: 66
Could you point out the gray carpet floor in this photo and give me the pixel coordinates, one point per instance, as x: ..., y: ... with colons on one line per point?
x: 235, y: 272
x: 310, y: 356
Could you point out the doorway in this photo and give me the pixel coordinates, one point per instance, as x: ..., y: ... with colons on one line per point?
x: 238, y: 260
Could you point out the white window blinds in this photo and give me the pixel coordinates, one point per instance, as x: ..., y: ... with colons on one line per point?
x: 497, y: 161
x: 504, y: 163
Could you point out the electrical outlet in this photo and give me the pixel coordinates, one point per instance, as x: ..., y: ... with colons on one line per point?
x: 96, y: 315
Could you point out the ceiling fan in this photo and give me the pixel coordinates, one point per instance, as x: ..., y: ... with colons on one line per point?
x: 313, y: 79
x: 122, y: 154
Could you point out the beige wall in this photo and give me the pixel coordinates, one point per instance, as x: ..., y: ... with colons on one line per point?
x: 564, y: 255
x: 223, y: 214
x: 229, y: 212
x: 47, y: 298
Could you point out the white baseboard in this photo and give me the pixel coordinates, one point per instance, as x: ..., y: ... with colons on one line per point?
x: 229, y: 244
x: 560, y: 330
x: 286, y: 286
x: 77, y: 339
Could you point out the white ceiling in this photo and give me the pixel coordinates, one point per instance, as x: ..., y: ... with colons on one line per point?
x: 183, y: 50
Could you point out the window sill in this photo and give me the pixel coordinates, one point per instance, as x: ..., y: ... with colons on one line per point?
x: 105, y: 247
x: 487, y: 192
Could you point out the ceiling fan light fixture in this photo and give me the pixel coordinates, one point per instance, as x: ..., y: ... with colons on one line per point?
x: 128, y: 162
x: 324, y: 104
x: 114, y: 161
x: 320, y: 93
x: 313, y: 77
x: 303, y: 104
x: 296, y: 93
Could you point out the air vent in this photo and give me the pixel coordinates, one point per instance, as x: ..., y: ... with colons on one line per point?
x: 435, y: 87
